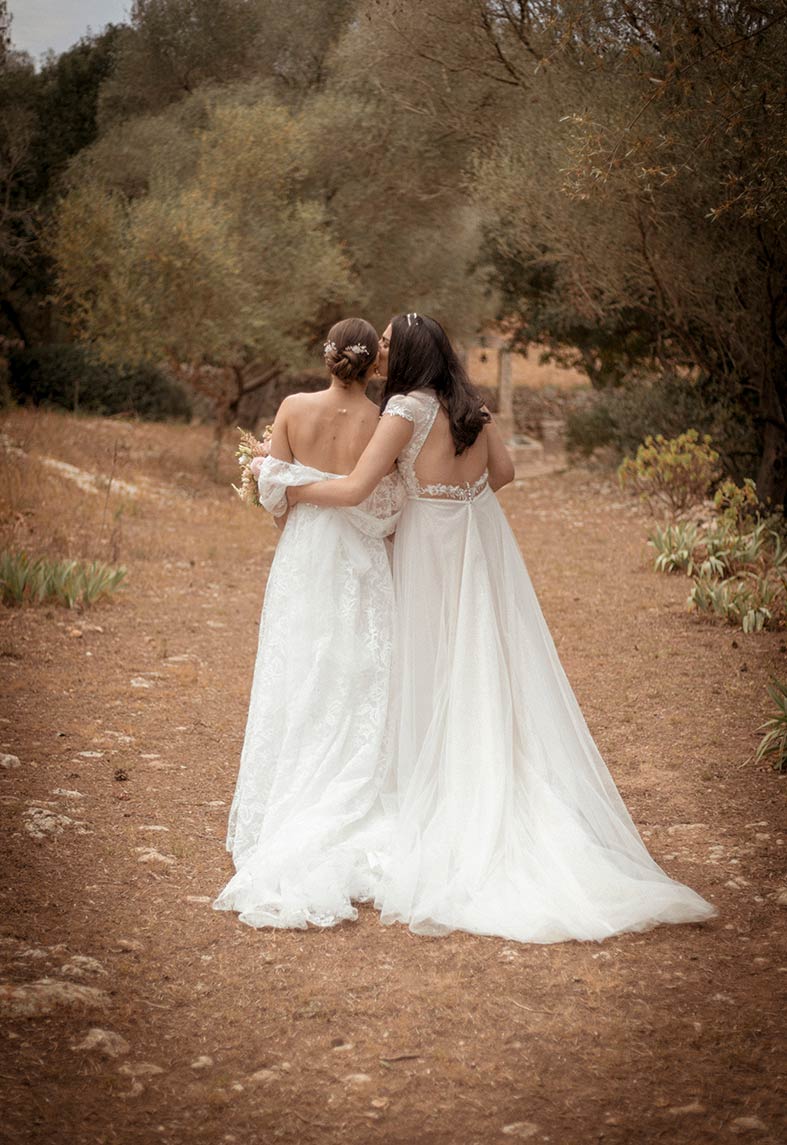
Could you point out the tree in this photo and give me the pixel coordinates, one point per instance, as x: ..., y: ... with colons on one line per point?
x: 5, y: 32
x: 171, y: 48
x: 202, y: 248
x: 45, y: 118
x: 628, y: 163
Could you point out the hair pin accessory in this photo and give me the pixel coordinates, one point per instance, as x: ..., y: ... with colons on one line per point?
x: 358, y: 348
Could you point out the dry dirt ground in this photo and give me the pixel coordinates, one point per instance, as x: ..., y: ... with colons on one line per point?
x: 127, y: 722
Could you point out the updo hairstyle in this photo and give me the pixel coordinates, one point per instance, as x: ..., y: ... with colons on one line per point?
x: 351, y: 348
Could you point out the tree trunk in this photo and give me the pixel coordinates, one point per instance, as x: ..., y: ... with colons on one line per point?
x: 772, y: 471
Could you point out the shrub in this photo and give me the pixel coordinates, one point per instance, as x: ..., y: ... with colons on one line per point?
x: 70, y: 377
x: 620, y: 418
x: 590, y: 428
x: 738, y: 505
x: 675, y: 473
x: 738, y: 564
x: 774, y: 741
x: 68, y: 582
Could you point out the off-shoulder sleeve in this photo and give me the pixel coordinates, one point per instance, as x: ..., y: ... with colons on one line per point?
x: 401, y: 405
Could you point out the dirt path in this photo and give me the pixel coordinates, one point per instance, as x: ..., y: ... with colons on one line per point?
x: 127, y: 722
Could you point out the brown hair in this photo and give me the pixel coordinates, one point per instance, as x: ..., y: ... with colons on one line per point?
x: 351, y: 348
x: 421, y: 357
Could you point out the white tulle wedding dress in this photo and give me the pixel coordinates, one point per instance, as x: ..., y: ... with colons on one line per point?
x: 307, y: 828
x: 505, y: 819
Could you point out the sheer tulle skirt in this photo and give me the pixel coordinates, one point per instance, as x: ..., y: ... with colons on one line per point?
x: 506, y: 820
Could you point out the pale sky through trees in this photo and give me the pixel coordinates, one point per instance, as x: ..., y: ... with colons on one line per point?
x: 38, y: 25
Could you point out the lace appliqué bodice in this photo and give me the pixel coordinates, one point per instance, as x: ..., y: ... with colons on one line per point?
x: 420, y: 407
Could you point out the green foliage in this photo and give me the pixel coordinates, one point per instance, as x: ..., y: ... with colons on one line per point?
x: 68, y: 582
x: 774, y: 740
x: 46, y: 117
x: 184, y: 249
x: 748, y: 599
x: 70, y: 377
x: 589, y: 428
x: 621, y: 417
x: 737, y: 505
x: 738, y: 562
x: 616, y: 232
x: 675, y: 547
x: 674, y: 473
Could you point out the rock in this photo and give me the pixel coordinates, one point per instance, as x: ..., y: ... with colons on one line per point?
x: 747, y: 1124
x: 68, y: 794
x: 41, y: 823
x: 199, y: 898
x: 90, y: 754
x: 140, y: 1069
x: 141, y: 682
x: 680, y: 1110
x: 153, y: 858
x: 32, y: 999
x: 105, y: 1042
x: 152, y: 827
x: 9, y: 761
x: 357, y: 1079
x: 129, y: 945
x: 781, y: 898
x: 82, y: 966
x: 202, y: 1062
x: 75, y: 633
x: 264, y: 1075
x: 39, y: 952
x: 380, y: 1102
x: 523, y: 1129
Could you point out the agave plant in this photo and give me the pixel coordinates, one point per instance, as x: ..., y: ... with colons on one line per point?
x: 745, y: 600
x: 774, y: 740
x: 675, y: 545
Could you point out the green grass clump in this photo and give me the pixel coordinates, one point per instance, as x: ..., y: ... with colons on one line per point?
x: 774, y: 741
x: 68, y: 582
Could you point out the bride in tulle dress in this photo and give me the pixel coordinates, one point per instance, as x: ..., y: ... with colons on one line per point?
x: 506, y: 820
x: 307, y: 824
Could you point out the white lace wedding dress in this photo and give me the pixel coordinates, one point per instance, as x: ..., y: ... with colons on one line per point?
x: 306, y: 827
x: 507, y: 820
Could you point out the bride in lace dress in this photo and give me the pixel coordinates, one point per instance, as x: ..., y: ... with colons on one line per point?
x: 507, y: 820
x: 307, y: 826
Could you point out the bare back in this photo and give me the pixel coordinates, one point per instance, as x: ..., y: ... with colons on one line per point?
x: 438, y: 462
x: 328, y: 430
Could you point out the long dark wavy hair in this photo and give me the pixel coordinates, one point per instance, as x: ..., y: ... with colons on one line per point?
x: 421, y: 357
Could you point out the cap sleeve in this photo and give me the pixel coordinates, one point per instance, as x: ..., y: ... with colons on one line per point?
x: 401, y: 405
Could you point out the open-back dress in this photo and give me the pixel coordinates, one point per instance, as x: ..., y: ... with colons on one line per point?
x: 307, y: 828
x: 506, y: 818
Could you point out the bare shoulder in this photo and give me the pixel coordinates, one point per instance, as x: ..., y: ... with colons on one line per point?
x: 300, y: 403
x: 295, y: 401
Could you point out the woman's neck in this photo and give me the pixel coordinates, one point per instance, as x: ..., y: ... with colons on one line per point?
x: 355, y: 389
